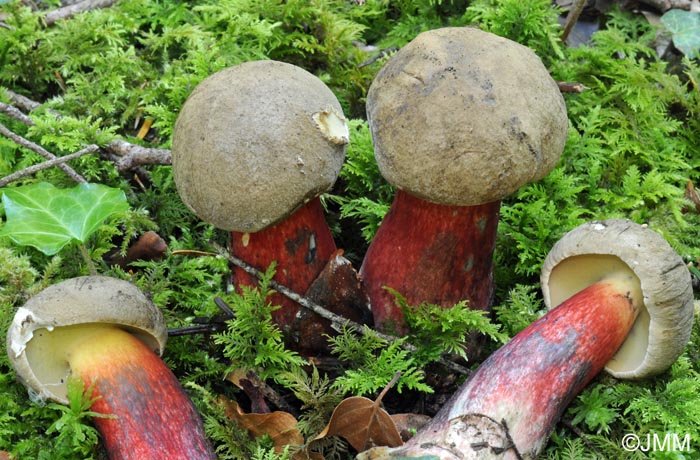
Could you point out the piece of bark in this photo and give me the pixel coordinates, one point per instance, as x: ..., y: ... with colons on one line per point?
x: 339, y: 288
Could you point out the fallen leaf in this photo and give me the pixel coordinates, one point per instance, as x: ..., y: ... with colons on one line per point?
x: 280, y: 426
x: 306, y: 455
x: 149, y: 246
x: 363, y: 424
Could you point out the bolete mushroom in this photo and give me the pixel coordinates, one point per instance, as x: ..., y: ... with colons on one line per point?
x: 460, y: 118
x: 597, y: 248
x: 253, y: 147
x: 606, y: 274
x: 105, y: 332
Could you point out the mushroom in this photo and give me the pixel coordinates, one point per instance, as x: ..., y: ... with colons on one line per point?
x: 460, y: 118
x: 600, y: 247
x: 253, y: 147
x: 621, y: 286
x: 105, y: 332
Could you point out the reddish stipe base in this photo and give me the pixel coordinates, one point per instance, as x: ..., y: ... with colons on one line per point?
x: 301, y: 245
x: 155, y: 419
x: 510, y: 405
x: 430, y: 253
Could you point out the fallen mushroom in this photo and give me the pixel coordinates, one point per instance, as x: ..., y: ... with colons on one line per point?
x: 253, y: 148
x: 107, y: 333
x: 606, y: 274
x: 460, y: 118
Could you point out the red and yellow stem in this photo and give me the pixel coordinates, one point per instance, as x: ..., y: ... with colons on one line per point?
x: 301, y: 245
x: 512, y: 402
x: 154, y: 418
x: 430, y: 253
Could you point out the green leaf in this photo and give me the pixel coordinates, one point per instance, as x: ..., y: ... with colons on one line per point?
x: 49, y: 218
x: 685, y: 27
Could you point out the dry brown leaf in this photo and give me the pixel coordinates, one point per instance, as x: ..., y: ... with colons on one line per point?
x: 280, y: 426
x: 305, y: 455
x: 363, y: 424
x: 236, y: 375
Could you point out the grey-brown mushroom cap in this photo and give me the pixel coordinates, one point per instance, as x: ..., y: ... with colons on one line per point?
x: 76, y: 301
x: 256, y: 141
x: 589, y: 252
x: 463, y: 117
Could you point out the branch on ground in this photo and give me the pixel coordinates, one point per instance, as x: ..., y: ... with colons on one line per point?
x: 123, y: 154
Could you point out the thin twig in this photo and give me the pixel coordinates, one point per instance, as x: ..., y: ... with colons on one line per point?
x: 572, y: 18
x: 15, y: 113
x: 47, y: 164
x: 133, y: 155
x: 23, y: 102
x: 337, y: 321
x: 123, y: 154
x: 26, y: 143
x: 76, y: 8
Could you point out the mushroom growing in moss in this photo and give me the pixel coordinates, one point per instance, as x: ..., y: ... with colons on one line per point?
x: 253, y: 148
x: 105, y: 332
x: 460, y: 118
x: 621, y: 286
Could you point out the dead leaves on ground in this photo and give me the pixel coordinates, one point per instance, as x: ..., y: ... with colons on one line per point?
x: 363, y: 423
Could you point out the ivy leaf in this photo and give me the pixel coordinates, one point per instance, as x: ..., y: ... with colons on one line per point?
x: 48, y: 218
x: 685, y: 27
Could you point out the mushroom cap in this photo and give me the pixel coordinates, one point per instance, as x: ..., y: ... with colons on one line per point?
x: 256, y: 141
x: 595, y: 249
x: 463, y: 117
x: 39, y: 333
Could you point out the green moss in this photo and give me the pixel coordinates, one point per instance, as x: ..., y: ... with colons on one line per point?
x: 632, y: 148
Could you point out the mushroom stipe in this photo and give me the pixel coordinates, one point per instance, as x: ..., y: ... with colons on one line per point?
x: 107, y: 333
x: 510, y: 405
x: 430, y: 253
x: 301, y: 245
x: 155, y: 419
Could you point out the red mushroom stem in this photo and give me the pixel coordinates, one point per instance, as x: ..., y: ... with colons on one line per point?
x: 301, y: 245
x: 512, y: 402
x: 430, y: 253
x: 155, y: 419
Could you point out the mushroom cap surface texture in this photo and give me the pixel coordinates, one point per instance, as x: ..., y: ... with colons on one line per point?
x: 464, y: 117
x: 46, y: 326
x: 595, y: 249
x: 254, y: 142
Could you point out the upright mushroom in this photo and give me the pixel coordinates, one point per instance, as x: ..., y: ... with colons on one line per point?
x: 460, y: 119
x: 253, y: 147
x: 605, y: 274
x: 105, y: 332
